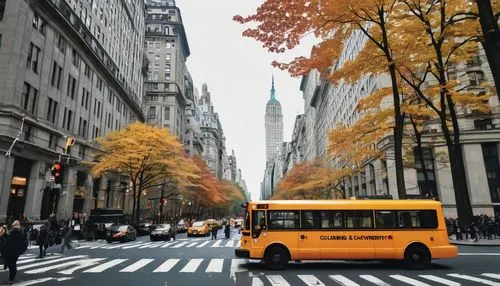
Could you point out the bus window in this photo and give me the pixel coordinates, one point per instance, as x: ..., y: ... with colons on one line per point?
x: 417, y: 219
x: 332, y: 219
x: 258, y: 223
x: 359, y: 219
x: 283, y: 219
x: 311, y: 219
x: 385, y: 219
x: 247, y: 221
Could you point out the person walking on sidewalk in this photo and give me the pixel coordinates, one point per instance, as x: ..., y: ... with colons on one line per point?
x: 214, y: 232
x: 16, y: 244
x: 66, y: 235
x: 42, y: 240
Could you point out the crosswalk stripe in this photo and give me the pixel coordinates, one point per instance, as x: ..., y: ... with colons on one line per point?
x: 229, y: 244
x: 311, y: 280
x: 167, y: 265
x: 277, y: 280
x: 192, y: 244
x: 33, y: 282
x: 133, y: 246
x: 475, y: 279
x: 374, y: 280
x: 26, y: 257
x: 147, y: 244
x: 155, y: 245
x: 491, y: 275
x: 179, y: 245
x: 342, y: 280
x: 107, y: 265
x: 257, y: 282
x: 82, y: 246
x: 192, y: 265
x: 215, y: 265
x: 138, y: 265
x: 203, y: 244
x: 238, y: 244
x: 440, y: 280
x: 52, y: 267
x: 84, y: 264
x: 37, y: 259
x: 168, y: 244
x: 409, y: 280
x: 50, y: 262
x: 216, y: 244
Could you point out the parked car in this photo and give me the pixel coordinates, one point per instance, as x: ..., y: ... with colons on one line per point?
x: 162, y: 232
x: 121, y: 233
x: 143, y: 228
x: 199, y: 228
x: 182, y: 226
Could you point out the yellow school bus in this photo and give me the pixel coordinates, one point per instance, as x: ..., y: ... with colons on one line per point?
x: 281, y: 231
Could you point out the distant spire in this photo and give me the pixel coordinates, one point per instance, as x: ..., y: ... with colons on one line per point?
x: 273, y: 95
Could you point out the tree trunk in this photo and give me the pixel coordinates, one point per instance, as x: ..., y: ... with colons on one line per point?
x: 134, y: 202
x: 421, y: 159
x: 491, y: 43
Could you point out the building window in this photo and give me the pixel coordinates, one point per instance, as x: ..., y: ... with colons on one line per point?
x: 475, y: 77
x: 52, y: 110
x: 32, y: 60
x: 68, y: 114
x: 88, y: 71
x: 484, y: 124
x: 39, y: 24
x: 29, y: 99
x: 81, y: 152
x: 425, y: 174
x: 53, y: 141
x: 56, y: 75
x: 27, y: 132
x: 167, y: 113
x: 2, y: 8
x: 71, y: 86
x: 75, y: 58
x: 98, y: 109
x: 491, y: 159
x: 99, y: 84
x: 152, y: 112
x: 61, y: 43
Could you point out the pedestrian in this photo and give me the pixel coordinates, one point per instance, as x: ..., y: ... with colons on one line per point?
x: 3, y: 241
x: 16, y: 244
x: 214, y: 232
x: 42, y: 240
x: 66, y: 236
x: 227, y: 231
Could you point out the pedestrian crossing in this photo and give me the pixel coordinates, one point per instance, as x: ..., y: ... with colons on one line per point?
x: 239, y: 269
x: 226, y: 243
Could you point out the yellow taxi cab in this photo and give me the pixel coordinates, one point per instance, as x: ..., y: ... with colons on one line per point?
x: 198, y: 228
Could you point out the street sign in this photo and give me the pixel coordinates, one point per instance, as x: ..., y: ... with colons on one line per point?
x: 49, y: 178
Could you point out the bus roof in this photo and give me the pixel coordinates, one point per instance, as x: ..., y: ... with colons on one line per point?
x: 351, y: 203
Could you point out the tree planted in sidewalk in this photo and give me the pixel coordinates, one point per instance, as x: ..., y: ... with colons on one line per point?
x: 149, y: 155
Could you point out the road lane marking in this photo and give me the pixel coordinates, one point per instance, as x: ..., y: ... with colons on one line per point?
x: 491, y: 275
x: 133, y: 246
x: 50, y: 262
x: 147, y: 244
x: 229, y: 244
x: 168, y: 244
x: 440, y: 280
x: 311, y: 280
x: 38, y: 259
x: 408, y: 280
x: 105, y: 266
x: 179, y: 245
x: 138, y: 265
x: 84, y: 264
x: 192, y: 244
x: 215, y: 265
x: 121, y: 245
x: 236, y: 266
x: 155, y: 245
x: 479, y: 254
x: 217, y: 243
x: 257, y: 282
x: 82, y: 246
x: 374, y: 280
x: 192, y: 265
x: 474, y: 279
x: 167, y: 265
x: 33, y: 282
x: 277, y: 280
x: 52, y: 267
x: 342, y: 280
x: 204, y: 243
x: 238, y: 244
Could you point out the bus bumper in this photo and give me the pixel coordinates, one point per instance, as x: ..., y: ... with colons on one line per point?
x: 242, y: 253
x: 447, y: 251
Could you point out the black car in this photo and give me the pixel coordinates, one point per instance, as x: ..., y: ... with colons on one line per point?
x: 121, y: 233
x: 162, y: 232
x: 143, y: 228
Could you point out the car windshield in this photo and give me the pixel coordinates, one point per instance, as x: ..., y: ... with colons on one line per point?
x: 122, y: 228
x: 162, y: 226
x: 198, y: 223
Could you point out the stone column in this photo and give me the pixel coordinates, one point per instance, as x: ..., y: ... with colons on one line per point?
x: 88, y: 203
x: 479, y: 190
x: 444, y: 184
x: 6, y: 171
x: 34, y: 194
x: 67, y: 194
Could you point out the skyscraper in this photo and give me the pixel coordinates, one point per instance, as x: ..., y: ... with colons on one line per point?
x: 274, y: 126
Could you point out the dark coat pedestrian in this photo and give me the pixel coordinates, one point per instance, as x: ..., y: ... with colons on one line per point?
x: 42, y: 240
x: 3, y: 241
x: 16, y: 244
x: 214, y: 232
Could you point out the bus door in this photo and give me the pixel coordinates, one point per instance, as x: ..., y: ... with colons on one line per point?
x: 259, y: 231
x: 359, y: 225
x: 385, y: 224
x: 333, y: 238
x: 309, y: 235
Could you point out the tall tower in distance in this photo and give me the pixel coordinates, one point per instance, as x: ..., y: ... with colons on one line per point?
x: 274, y: 125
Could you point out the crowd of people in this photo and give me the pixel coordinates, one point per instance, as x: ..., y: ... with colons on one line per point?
x: 482, y: 227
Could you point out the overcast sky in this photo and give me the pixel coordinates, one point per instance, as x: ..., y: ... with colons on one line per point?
x: 238, y: 73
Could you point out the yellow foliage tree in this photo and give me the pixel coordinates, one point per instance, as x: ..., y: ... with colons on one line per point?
x: 149, y: 155
x: 311, y: 180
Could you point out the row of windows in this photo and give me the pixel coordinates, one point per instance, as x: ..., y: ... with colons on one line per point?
x: 355, y: 219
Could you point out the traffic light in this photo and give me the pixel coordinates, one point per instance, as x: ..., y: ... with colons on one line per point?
x: 57, y: 170
x: 69, y: 143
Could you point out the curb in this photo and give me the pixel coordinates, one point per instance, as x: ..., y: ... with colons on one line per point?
x: 473, y: 244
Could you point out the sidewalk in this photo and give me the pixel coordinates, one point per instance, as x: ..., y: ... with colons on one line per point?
x: 479, y: 242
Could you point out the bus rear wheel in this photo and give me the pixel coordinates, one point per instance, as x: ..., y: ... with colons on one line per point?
x: 276, y: 258
x: 417, y: 257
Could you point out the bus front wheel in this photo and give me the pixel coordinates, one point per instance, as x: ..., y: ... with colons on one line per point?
x: 276, y: 258
x: 417, y: 257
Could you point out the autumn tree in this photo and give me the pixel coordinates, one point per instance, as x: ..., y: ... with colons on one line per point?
x: 311, y: 180
x: 149, y: 155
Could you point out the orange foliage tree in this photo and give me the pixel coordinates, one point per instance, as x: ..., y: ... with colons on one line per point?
x: 311, y: 180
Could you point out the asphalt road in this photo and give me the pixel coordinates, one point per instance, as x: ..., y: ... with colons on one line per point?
x: 195, y: 261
